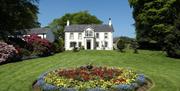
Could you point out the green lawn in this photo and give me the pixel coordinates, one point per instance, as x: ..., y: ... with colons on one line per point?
x: 164, y: 71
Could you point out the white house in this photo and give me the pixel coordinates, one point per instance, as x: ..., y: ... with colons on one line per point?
x: 44, y: 33
x: 91, y: 37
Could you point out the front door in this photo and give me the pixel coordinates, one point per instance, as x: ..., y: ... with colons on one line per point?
x: 88, y: 44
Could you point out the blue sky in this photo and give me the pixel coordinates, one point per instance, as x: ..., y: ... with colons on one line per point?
x: 118, y: 10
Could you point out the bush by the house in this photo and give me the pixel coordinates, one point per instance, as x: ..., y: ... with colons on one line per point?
x: 82, y: 48
x: 76, y: 49
x: 7, y: 53
x: 17, y: 42
x: 58, y: 45
x: 93, y: 78
x: 41, y: 47
x: 25, y: 52
x: 121, y: 45
x: 23, y: 48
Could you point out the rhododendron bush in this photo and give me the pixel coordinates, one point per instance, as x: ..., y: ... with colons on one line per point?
x: 6, y: 52
x: 41, y: 47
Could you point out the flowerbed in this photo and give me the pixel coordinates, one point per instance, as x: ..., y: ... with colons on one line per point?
x: 90, y: 78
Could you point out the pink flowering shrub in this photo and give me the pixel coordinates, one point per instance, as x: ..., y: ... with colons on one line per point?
x: 6, y: 52
x: 41, y: 47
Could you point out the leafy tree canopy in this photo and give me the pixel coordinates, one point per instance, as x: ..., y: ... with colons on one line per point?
x: 155, y: 19
x: 17, y: 15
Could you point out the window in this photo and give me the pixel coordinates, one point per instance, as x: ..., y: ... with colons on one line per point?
x: 80, y: 36
x: 97, y: 44
x: 71, y: 36
x: 89, y: 33
x: 97, y: 35
x: 72, y: 44
x: 106, y: 44
x: 86, y: 33
x: 80, y: 44
x: 105, y: 35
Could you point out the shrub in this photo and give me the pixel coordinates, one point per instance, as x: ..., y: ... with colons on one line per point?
x: 7, y: 52
x: 134, y: 45
x: 23, y: 48
x: 173, y: 52
x: 82, y: 48
x: 41, y: 47
x: 76, y: 49
x: 58, y: 45
x: 121, y: 45
x: 25, y: 52
x: 172, y: 47
x: 16, y: 41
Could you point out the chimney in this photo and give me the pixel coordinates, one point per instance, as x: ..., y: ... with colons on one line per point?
x: 110, y: 22
x: 68, y: 23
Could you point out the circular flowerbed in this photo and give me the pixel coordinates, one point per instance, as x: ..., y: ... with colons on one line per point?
x: 90, y: 78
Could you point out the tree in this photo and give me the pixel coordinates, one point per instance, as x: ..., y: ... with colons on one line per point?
x: 58, y: 45
x: 83, y: 17
x: 121, y: 45
x: 155, y: 21
x: 172, y: 41
x: 126, y: 39
x: 17, y: 15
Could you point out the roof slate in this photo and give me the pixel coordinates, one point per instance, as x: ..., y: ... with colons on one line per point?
x: 37, y: 31
x: 81, y: 28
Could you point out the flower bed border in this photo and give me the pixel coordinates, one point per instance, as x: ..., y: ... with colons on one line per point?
x: 144, y: 87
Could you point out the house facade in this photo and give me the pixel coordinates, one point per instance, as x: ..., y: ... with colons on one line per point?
x: 90, y: 37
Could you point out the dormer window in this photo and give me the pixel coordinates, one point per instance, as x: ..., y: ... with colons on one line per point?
x: 89, y: 32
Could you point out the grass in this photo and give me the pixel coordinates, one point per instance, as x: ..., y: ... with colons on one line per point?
x: 164, y: 71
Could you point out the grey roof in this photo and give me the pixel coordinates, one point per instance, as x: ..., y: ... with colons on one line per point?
x: 37, y: 31
x: 81, y: 28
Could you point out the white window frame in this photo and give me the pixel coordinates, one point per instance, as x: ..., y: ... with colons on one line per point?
x: 105, y: 35
x: 73, y: 44
x: 97, y: 35
x: 80, y: 44
x: 71, y: 36
x: 89, y: 33
x: 97, y: 43
x: 105, y: 44
x: 79, y: 35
